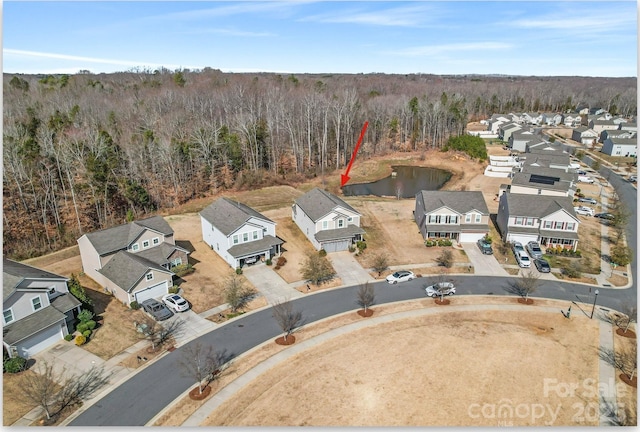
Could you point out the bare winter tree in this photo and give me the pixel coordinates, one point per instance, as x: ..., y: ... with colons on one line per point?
x: 287, y: 317
x: 56, y: 391
x: 622, y: 319
x: 366, y: 296
x: 236, y: 293
x: 526, y: 284
x: 202, y: 363
x: 157, y: 333
x: 380, y: 262
x: 625, y: 360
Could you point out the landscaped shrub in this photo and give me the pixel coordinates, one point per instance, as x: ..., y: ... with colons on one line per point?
x: 361, y: 245
x: 14, y: 365
x: 87, y: 334
x: 323, y: 253
x: 80, y: 340
x: 91, y: 325
x: 174, y: 289
x: 85, y: 315
x: 182, y: 269
x: 430, y: 243
x: 68, y: 337
x: 134, y: 305
x: 444, y: 242
x: 238, y: 271
x: 277, y: 267
x: 268, y: 262
x: 82, y: 327
x: 352, y: 249
x: 281, y: 261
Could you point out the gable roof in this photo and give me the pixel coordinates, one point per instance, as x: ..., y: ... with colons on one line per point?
x: 459, y: 201
x: 318, y: 203
x: 13, y: 273
x: 227, y: 215
x: 623, y: 141
x: 113, y: 239
x: 125, y: 269
x: 540, y: 206
x: 542, y: 181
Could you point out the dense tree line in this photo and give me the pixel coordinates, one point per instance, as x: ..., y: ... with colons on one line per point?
x: 84, y: 152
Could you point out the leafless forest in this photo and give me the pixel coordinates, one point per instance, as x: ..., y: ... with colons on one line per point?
x: 86, y: 152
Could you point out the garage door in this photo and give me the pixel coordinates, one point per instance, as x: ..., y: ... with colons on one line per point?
x: 524, y: 239
x: 154, y: 291
x: 35, y: 344
x: 336, y: 246
x: 470, y: 237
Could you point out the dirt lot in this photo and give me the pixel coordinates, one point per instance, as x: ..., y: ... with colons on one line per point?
x: 493, y: 356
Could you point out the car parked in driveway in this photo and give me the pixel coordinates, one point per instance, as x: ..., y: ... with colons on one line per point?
x: 156, y: 309
x: 523, y: 259
x: 440, y: 289
x: 176, y: 302
x: 485, y: 247
x: 542, y: 265
x: 517, y: 247
x: 585, y: 211
x: 534, y: 249
x: 585, y: 179
x: 400, y: 276
x: 587, y: 200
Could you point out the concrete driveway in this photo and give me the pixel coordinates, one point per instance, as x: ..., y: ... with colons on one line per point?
x: 270, y: 284
x: 349, y: 269
x: 67, y: 357
x: 484, y: 265
x: 193, y: 326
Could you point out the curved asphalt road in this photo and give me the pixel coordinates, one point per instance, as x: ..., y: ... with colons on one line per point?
x: 144, y: 395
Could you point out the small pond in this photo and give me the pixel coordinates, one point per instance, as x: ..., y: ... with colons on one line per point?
x: 406, y: 183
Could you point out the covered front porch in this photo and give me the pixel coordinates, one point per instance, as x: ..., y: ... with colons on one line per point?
x: 552, y: 239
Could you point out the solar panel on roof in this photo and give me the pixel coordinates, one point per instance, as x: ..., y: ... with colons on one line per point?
x: 536, y: 178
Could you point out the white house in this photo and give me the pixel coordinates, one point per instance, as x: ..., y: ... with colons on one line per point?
x: 624, y: 147
x: 327, y: 221
x: 238, y: 233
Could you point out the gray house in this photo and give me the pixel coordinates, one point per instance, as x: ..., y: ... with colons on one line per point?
x: 544, y: 181
x: 37, y: 309
x: 624, y: 147
x: 238, y: 233
x: 143, y: 253
x: 458, y: 215
x: 327, y: 221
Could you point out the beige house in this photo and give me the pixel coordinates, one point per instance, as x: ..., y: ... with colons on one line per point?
x: 133, y: 261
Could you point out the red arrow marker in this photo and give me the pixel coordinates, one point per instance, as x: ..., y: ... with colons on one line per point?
x: 344, y: 178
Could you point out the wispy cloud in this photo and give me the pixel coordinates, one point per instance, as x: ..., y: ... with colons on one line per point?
x: 96, y: 60
x: 408, y: 16
x: 230, y: 32
x: 430, y: 50
x: 237, y: 8
x: 577, y: 20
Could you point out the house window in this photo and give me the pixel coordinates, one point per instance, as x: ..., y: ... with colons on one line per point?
x: 255, y: 235
x: 37, y: 303
x: 340, y: 223
x: 434, y: 219
x: 530, y: 221
x: 235, y: 239
x: 350, y: 219
x: 245, y: 237
x: 145, y: 244
x: 156, y: 241
x: 557, y: 225
x: 548, y: 224
x: 325, y: 224
x: 176, y: 261
x: 51, y: 290
x: 149, y: 276
x: 8, y: 316
x: 478, y: 218
x: 519, y: 221
x: 135, y: 247
x: 467, y: 218
x: 570, y: 226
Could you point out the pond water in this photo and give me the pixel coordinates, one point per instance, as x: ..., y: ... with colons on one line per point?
x: 408, y: 181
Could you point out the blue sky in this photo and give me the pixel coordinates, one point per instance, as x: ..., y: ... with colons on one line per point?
x: 592, y: 38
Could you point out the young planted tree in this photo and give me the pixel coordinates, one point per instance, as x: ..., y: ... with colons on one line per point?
x: 445, y: 259
x: 625, y: 360
x: 287, y: 317
x: 202, y: 363
x: 55, y: 392
x: 621, y: 255
x: 380, y: 263
x: 236, y: 293
x: 157, y: 333
x: 366, y: 297
x: 317, y: 268
x: 526, y: 284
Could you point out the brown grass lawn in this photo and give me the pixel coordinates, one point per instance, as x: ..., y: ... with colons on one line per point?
x: 13, y: 407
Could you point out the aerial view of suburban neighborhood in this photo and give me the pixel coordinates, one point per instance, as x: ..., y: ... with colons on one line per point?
x: 199, y: 247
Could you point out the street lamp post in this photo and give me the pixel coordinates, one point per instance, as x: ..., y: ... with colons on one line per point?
x: 594, y: 303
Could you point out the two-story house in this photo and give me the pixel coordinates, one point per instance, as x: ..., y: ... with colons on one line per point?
x: 458, y: 215
x: 37, y: 309
x: 238, y: 233
x: 624, y: 147
x: 549, y: 220
x: 543, y: 181
x: 506, y: 129
x: 584, y: 135
x: 327, y: 221
x: 571, y: 120
x: 133, y: 261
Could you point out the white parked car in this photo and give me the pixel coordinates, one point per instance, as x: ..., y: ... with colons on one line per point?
x: 440, y: 288
x: 175, y: 302
x: 523, y: 260
x: 585, y: 211
x: 400, y: 276
x: 585, y: 179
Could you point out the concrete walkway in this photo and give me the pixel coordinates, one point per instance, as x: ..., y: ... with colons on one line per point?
x: 349, y: 269
x: 607, y: 374
x: 270, y: 284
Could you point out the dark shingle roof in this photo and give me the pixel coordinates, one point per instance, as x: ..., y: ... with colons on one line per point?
x: 548, y: 182
x: 539, y: 205
x: 125, y: 269
x: 31, y: 324
x: 227, y: 215
x: 160, y: 253
x: 317, y: 203
x: 254, y: 247
x: 110, y: 240
x: 459, y: 201
x: 14, y: 272
x: 347, y: 232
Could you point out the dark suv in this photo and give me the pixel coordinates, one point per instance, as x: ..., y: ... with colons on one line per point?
x: 485, y: 247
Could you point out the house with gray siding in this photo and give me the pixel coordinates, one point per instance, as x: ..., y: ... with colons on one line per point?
x: 624, y: 147
x: 549, y: 220
x: 505, y: 130
x: 519, y: 139
x: 37, y: 309
x: 462, y: 216
x: 327, y: 221
x: 143, y: 253
x: 238, y: 233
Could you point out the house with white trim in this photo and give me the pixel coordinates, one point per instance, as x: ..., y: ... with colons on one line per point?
x: 624, y: 147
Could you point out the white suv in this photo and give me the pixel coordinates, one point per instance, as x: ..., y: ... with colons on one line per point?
x: 585, y: 211
x: 523, y: 260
